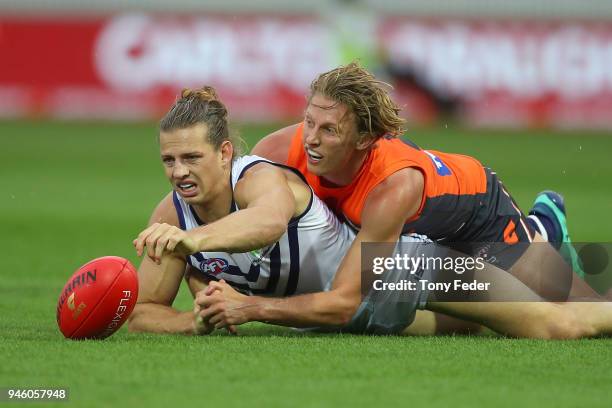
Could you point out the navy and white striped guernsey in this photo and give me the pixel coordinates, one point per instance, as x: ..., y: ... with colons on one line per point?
x: 304, y: 260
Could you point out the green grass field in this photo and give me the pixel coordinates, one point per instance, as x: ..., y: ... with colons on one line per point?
x: 75, y: 191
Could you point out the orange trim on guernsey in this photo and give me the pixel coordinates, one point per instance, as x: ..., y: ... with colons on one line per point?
x: 510, y: 236
x: 445, y: 174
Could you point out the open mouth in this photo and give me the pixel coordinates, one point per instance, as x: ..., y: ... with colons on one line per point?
x: 187, y: 189
x: 313, y: 156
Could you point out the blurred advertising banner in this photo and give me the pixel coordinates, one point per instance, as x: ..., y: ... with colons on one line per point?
x: 512, y: 73
x: 131, y: 66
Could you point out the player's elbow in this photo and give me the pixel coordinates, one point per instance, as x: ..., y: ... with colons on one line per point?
x: 344, y: 316
x: 134, y: 319
x: 279, y: 227
x: 343, y: 309
x: 274, y: 229
x: 132, y: 322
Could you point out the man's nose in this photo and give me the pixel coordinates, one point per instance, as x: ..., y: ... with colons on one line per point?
x: 179, y: 170
x: 311, y: 137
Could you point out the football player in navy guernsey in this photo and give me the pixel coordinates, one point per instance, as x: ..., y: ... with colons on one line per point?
x: 259, y: 226
x: 255, y: 244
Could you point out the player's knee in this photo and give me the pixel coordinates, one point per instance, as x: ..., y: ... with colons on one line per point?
x: 568, y: 327
x: 558, y: 322
x: 573, y: 326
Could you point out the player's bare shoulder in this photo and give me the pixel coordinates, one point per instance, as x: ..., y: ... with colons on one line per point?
x: 269, y: 175
x: 276, y: 145
x: 165, y: 212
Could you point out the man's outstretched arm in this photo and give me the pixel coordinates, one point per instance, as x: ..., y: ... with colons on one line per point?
x: 266, y: 205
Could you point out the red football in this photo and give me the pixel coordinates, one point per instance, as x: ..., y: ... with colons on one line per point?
x: 98, y: 298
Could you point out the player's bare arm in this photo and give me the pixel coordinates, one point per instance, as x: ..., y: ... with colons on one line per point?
x: 158, y: 286
x: 276, y: 145
x: 267, y: 204
x: 383, y: 220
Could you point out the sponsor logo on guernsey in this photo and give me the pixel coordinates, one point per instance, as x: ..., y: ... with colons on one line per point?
x: 441, y: 168
x: 214, y: 266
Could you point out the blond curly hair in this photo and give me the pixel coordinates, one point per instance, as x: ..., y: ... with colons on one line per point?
x: 366, y: 97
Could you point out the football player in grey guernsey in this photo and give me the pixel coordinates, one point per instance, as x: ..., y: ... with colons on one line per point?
x: 255, y: 244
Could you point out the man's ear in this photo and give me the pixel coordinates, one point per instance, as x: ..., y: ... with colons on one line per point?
x: 227, y: 151
x: 365, y: 141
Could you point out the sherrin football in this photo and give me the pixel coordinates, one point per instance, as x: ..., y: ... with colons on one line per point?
x: 97, y: 299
